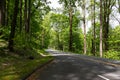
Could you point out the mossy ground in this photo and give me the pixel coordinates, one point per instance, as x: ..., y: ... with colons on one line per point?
x: 16, y: 66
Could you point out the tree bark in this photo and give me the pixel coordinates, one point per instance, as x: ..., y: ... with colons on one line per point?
x: 84, y: 22
x: 29, y: 15
x: 7, y: 12
x: 94, y: 33
x: 13, y: 26
x: 2, y: 12
x: 70, y: 36
x: 26, y: 16
x: 21, y: 15
x: 108, y: 4
x: 101, y: 23
x: 93, y: 24
x: 119, y: 5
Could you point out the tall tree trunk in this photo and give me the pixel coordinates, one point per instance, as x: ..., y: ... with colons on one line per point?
x: 108, y: 4
x: 29, y: 15
x: 94, y: 33
x: 26, y: 16
x: 84, y: 22
x: 105, y: 25
x: 93, y: 24
x: 70, y: 36
x: 58, y: 42
x: 101, y: 23
x: 13, y: 26
x: 43, y: 39
x: 7, y: 12
x: 2, y: 12
x: 21, y: 15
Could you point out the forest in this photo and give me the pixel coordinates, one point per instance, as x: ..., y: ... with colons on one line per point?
x: 89, y: 27
x: 32, y: 24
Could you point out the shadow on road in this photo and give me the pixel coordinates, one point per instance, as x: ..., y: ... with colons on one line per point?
x: 69, y: 67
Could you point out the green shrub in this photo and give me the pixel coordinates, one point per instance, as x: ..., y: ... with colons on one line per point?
x: 112, y: 54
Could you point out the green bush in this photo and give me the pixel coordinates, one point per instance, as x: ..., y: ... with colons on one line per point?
x: 112, y: 54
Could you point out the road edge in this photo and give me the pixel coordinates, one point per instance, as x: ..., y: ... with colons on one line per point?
x: 32, y: 75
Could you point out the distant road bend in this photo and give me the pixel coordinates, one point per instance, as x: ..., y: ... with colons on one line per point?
x: 68, y: 66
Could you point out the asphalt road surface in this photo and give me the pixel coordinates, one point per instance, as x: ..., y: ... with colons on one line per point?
x: 68, y: 66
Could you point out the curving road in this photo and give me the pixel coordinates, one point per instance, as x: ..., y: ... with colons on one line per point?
x: 67, y: 66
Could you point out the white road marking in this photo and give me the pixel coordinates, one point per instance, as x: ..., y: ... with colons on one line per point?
x: 114, y: 75
x: 103, y: 77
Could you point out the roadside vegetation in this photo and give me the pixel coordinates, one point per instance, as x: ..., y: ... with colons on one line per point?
x: 27, y: 27
x: 18, y: 65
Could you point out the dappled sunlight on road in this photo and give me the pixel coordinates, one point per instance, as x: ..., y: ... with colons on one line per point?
x: 69, y: 66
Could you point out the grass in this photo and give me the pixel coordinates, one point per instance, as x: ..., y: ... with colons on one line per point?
x: 17, y: 67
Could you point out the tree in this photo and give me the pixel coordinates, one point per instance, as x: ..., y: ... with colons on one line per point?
x: 107, y: 7
x: 84, y: 22
x: 93, y: 26
x: 69, y: 4
x: 26, y: 16
x: 21, y: 4
x: 101, y: 26
x: 94, y: 32
x: 2, y: 12
x: 13, y: 26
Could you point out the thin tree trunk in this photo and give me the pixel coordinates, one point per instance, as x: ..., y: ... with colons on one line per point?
x: 13, y: 26
x: 7, y: 3
x: 84, y: 22
x: 21, y: 15
x: 58, y: 37
x: 2, y: 12
x: 94, y: 52
x: 101, y: 52
x: 29, y: 15
x: 25, y: 16
x: 93, y: 24
x: 7, y: 12
x: 70, y: 39
x: 119, y: 5
x: 43, y: 33
x: 105, y: 25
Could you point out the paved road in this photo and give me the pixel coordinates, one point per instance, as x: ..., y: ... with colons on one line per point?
x: 76, y: 67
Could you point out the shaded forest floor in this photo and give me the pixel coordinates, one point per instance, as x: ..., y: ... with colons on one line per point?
x: 19, y: 64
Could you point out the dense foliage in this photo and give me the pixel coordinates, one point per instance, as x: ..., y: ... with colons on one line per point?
x: 31, y: 24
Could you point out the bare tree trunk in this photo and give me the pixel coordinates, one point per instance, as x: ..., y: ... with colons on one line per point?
x: 43, y: 35
x: 6, y: 12
x: 70, y: 39
x: 94, y: 31
x: 13, y: 26
x: 58, y: 38
x: 84, y: 22
x: 93, y: 24
x: 101, y: 23
x: 2, y: 12
x: 21, y: 15
x: 29, y: 15
x: 25, y: 16
x: 108, y: 4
